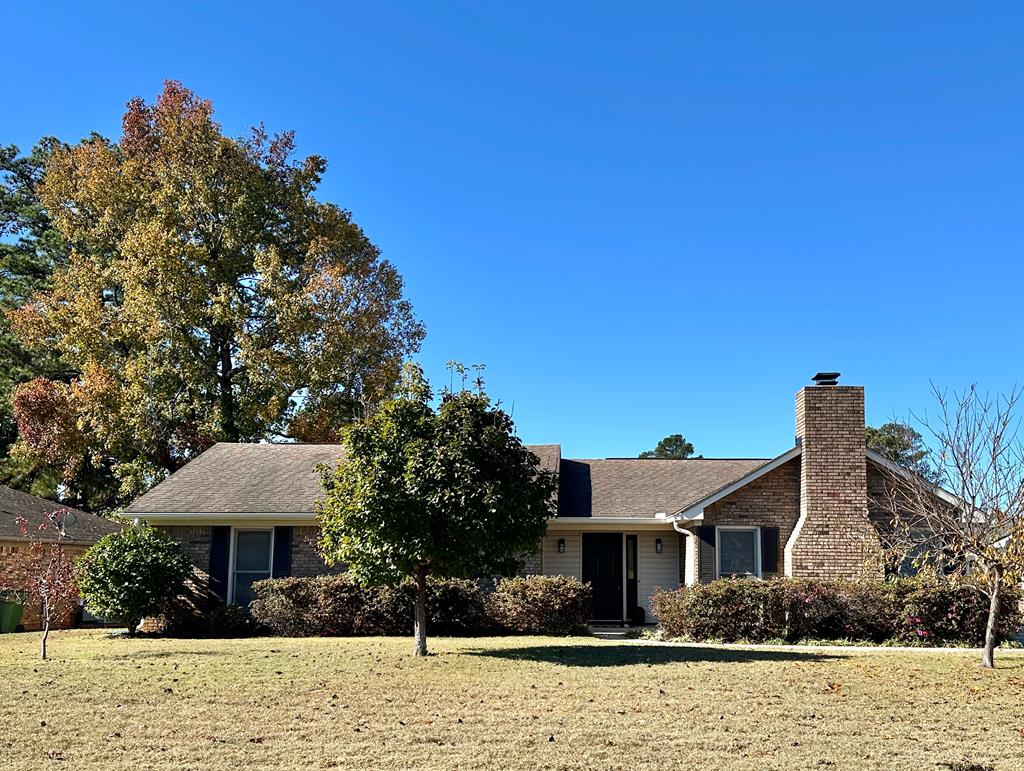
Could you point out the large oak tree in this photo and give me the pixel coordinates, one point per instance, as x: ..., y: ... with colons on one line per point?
x: 208, y: 296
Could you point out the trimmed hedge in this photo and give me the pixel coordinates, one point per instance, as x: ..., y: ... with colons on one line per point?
x: 907, y: 611
x: 338, y: 606
x: 545, y: 605
x: 326, y: 606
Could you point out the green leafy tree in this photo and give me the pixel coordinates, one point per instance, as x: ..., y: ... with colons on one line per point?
x: 131, y: 574
x: 673, y: 446
x: 903, y: 445
x: 449, y: 492
x: 208, y: 296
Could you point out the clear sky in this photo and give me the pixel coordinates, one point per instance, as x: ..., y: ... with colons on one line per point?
x: 644, y: 218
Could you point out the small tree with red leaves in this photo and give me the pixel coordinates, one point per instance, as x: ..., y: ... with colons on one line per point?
x: 50, y: 575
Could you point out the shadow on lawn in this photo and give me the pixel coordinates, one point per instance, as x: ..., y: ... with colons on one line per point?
x: 629, y: 655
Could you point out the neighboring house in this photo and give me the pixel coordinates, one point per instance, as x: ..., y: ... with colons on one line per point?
x: 628, y: 526
x: 81, y: 533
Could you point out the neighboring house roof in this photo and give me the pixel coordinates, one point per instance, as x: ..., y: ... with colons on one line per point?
x: 87, y: 528
x: 643, y: 488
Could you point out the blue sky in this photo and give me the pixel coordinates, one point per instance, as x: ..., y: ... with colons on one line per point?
x: 644, y: 219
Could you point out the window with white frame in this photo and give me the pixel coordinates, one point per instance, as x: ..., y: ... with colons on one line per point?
x: 253, y: 562
x: 739, y: 552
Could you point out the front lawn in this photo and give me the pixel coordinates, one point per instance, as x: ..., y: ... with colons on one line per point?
x: 496, y: 703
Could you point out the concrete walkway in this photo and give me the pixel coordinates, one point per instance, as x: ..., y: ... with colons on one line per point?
x: 820, y: 648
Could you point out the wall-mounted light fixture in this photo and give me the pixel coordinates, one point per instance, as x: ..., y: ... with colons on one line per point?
x: 561, y: 546
x: 657, y: 545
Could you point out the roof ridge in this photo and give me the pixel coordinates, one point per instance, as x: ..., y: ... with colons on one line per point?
x: 668, y: 459
x: 38, y: 498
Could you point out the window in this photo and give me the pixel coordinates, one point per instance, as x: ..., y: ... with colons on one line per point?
x: 253, y: 556
x: 739, y: 552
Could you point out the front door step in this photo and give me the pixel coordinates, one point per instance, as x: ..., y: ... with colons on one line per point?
x: 609, y: 632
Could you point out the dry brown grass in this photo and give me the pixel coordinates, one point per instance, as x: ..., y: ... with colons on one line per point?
x: 496, y: 704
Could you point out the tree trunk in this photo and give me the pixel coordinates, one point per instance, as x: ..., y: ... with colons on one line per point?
x: 225, y: 386
x: 46, y: 633
x: 992, y: 627
x: 420, y: 625
x: 133, y: 626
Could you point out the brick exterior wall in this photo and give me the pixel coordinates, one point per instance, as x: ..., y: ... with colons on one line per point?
x: 306, y: 560
x: 14, y: 559
x: 834, y: 537
x: 772, y: 500
x: 195, y: 544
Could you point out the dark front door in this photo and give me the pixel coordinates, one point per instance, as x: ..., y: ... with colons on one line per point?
x: 602, y: 568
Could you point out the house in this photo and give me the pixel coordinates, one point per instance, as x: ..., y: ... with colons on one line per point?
x: 81, y: 530
x: 244, y: 512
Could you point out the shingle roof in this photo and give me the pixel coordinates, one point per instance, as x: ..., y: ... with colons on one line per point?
x: 282, y: 479
x: 87, y: 528
x: 643, y: 487
x: 549, y: 455
x: 258, y: 479
x: 243, y: 478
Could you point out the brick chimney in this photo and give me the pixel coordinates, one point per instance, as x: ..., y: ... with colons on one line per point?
x: 833, y: 537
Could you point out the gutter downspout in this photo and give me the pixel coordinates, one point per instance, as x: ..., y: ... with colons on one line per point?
x: 689, y: 534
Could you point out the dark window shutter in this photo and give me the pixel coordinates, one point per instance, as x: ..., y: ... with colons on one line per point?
x: 706, y: 567
x: 220, y: 550
x: 282, y: 565
x: 769, y: 550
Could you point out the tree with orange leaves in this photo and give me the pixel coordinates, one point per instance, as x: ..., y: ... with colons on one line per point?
x: 208, y: 296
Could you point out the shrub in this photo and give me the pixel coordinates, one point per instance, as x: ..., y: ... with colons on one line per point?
x: 338, y: 606
x: 131, y: 574
x: 455, y: 607
x: 939, y: 613
x: 230, y: 621
x: 903, y: 610
x: 727, y: 610
x: 546, y: 605
x: 297, y: 607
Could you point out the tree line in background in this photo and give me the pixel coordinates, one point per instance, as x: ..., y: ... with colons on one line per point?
x: 898, y: 442
x: 176, y: 288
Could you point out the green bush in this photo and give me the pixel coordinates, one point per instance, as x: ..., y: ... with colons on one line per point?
x: 723, y: 610
x: 338, y: 606
x: 914, y: 611
x: 546, y: 605
x: 131, y: 574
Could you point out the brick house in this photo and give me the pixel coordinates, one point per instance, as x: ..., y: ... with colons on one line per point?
x: 82, y: 533
x: 246, y: 511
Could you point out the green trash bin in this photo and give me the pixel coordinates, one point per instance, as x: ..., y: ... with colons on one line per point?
x: 12, y: 605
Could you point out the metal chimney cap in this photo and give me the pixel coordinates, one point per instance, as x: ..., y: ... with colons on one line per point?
x: 826, y: 378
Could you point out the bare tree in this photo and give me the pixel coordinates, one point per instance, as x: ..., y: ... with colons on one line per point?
x: 50, y: 577
x: 967, y: 521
